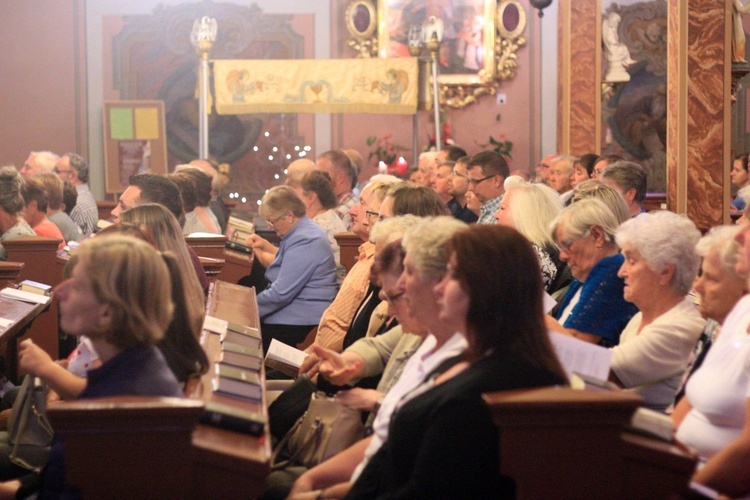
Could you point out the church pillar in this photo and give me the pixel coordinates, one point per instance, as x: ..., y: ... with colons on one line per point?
x: 579, y: 77
x: 698, y: 109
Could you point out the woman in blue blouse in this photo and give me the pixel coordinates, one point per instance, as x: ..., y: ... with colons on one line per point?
x: 593, y: 308
x: 301, y: 272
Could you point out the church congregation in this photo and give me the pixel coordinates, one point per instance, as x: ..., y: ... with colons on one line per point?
x: 321, y: 324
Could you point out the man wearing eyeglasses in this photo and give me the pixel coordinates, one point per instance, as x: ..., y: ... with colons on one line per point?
x: 487, y: 172
x: 459, y: 187
x: 72, y: 167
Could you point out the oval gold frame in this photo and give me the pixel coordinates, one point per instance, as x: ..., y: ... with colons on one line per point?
x: 349, y: 17
x: 504, y: 32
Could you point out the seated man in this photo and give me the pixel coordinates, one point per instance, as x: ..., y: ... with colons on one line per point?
x: 344, y: 178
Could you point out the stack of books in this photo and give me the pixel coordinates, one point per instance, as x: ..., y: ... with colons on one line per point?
x: 239, y: 362
x: 238, y: 231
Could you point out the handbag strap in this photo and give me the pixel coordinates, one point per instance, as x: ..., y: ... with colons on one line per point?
x: 314, y: 443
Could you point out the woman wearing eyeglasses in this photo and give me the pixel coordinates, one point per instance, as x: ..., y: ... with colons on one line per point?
x: 301, y: 272
x: 593, y: 308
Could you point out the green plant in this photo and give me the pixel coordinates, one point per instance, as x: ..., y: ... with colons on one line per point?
x: 385, y: 150
x: 503, y: 147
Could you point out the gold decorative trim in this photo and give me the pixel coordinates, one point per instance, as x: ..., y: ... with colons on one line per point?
x: 499, y: 44
x: 363, y: 40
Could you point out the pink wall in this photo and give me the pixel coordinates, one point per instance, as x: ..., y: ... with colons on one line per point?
x: 37, y: 82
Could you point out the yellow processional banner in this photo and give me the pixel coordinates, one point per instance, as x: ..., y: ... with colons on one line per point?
x: 316, y: 86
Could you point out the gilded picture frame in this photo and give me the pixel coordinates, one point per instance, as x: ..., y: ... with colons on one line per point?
x: 479, y: 45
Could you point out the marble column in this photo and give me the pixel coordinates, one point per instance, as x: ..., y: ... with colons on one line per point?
x: 579, y: 77
x: 698, y: 109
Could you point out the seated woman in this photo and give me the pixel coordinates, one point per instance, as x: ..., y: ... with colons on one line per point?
x: 12, y: 223
x: 442, y: 441
x: 35, y: 211
x: 529, y: 208
x: 593, y: 308
x: 714, y: 416
x: 119, y: 296
x: 426, y: 246
x: 583, y: 167
x: 165, y: 231
x: 659, y: 268
x: 201, y: 218
x: 301, y: 271
x: 320, y: 200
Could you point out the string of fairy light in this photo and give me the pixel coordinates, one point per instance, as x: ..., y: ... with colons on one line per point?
x: 277, y: 153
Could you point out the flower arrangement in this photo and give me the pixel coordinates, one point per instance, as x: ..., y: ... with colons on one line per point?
x: 503, y: 147
x: 385, y: 149
x: 445, y: 138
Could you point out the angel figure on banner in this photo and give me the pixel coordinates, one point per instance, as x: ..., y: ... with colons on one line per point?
x: 395, y: 86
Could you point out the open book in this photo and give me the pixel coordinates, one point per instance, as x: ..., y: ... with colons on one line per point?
x: 581, y: 357
x: 284, y: 358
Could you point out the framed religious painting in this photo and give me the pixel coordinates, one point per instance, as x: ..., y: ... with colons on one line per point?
x: 479, y: 41
x: 135, y: 141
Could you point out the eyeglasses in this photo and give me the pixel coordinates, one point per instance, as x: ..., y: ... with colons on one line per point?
x: 474, y: 182
x: 58, y: 171
x: 456, y: 174
x: 273, y: 222
x: 371, y: 214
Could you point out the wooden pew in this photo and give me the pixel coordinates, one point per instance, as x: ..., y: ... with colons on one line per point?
x: 10, y: 273
x: 564, y: 443
x: 212, y: 267
x: 349, y: 246
x: 228, y: 464
x: 23, y: 316
x: 236, y: 265
x: 39, y: 256
x: 128, y: 446
x: 209, y: 246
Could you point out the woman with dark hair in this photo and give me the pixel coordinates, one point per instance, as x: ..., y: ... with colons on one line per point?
x: 740, y: 178
x: 583, y: 167
x: 201, y: 218
x: 442, y: 441
x: 320, y: 200
x: 403, y: 198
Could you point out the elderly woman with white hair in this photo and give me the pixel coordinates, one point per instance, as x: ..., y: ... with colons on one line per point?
x: 593, y: 308
x: 529, y: 208
x: 659, y: 268
x: 714, y: 416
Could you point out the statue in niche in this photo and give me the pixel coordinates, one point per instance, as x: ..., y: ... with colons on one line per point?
x: 738, y: 31
x: 617, y: 53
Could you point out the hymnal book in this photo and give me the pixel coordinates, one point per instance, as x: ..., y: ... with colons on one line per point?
x: 240, y: 360
x: 284, y: 358
x: 581, y: 357
x: 247, y: 376
x: 102, y: 224
x: 581, y: 382
x: 244, y: 330
x: 237, y: 389
x: 35, y: 287
x: 15, y: 294
x: 215, y: 325
x: 244, y: 340
x: 239, y: 247
x: 652, y: 423
x: 241, y: 349
x: 234, y: 419
x: 239, y: 229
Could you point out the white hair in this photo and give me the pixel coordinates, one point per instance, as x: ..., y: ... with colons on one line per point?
x: 45, y: 160
x: 426, y: 244
x: 514, y: 181
x: 578, y: 218
x: 390, y: 230
x: 720, y: 239
x: 664, y: 238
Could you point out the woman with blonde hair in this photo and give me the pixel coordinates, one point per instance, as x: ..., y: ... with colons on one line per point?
x: 167, y: 235
x: 597, y: 190
x: 529, y: 208
x: 119, y: 296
